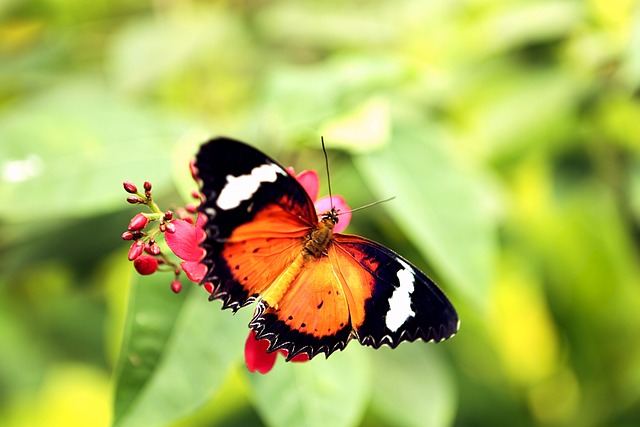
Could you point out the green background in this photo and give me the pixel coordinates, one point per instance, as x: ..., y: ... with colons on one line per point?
x: 508, y: 131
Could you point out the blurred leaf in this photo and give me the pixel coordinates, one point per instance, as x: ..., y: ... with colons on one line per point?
x: 331, y: 392
x: 412, y: 386
x: 630, y: 70
x: 148, y: 51
x: 72, y: 395
x: 362, y: 129
x: 70, y: 149
x: 317, y: 25
x: 305, y: 95
x: 519, y: 305
x: 507, y: 111
x: 178, y: 351
x: 505, y: 25
x: 24, y: 357
x: 634, y: 189
x: 438, y: 206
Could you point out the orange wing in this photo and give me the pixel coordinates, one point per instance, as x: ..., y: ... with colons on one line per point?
x: 319, y: 311
x: 249, y: 262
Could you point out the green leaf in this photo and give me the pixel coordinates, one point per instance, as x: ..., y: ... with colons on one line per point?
x: 437, y: 205
x: 413, y: 387
x: 332, y: 392
x: 177, y: 354
x: 70, y: 149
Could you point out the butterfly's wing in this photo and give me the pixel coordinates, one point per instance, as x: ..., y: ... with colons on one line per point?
x: 405, y: 305
x: 362, y: 290
x: 257, y: 218
x: 316, y: 314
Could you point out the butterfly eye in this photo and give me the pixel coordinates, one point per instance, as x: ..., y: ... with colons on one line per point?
x: 331, y: 215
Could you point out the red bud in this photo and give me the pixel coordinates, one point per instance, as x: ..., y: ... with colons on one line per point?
x: 127, y: 235
x: 134, y: 200
x: 154, y: 249
x: 130, y: 187
x: 193, y: 169
x: 135, y: 250
x: 208, y: 286
x: 171, y: 228
x: 168, y: 216
x: 145, y: 264
x: 176, y: 286
x: 191, y: 208
x: 138, y: 222
x: 147, y: 186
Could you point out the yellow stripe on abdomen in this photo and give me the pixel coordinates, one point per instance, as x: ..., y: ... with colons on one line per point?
x: 281, y: 285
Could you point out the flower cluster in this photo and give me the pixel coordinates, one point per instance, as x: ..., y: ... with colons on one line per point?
x: 183, y: 232
x: 146, y: 227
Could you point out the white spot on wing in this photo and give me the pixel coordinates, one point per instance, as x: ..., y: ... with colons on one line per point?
x: 241, y: 188
x: 400, y: 301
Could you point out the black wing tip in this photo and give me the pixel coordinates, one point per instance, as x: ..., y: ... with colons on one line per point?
x: 436, y: 335
x: 228, y: 300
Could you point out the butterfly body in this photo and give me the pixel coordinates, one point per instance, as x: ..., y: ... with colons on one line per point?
x: 316, y: 289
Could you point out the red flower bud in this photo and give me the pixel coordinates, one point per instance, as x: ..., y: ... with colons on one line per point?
x: 168, y: 216
x: 171, y: 228
x: 134, y: 200
x: 135, y: 250
x: 195, y: 194
x: 208, y: 286
x: 193, y: 169
x: 127, y: 235
x: 145, y: 264
x: 191, y: 208
x: 154, y: 249
x: 130, y: 187
x: 138, y: 222
x: 147, y: 186
x: 176, y: 286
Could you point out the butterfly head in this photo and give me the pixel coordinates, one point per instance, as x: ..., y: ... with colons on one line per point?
x: 330, y: 218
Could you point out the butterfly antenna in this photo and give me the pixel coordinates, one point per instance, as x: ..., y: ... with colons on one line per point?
x: 326, y: 164
x: 368, y: 205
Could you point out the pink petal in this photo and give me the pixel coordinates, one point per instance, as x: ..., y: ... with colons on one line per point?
x: 184, y: 241
x: 310, y: 182
x: 194, y: 270
x: 302, y: 357
x: 256, y: 356
x: 200, y: 222
x: 344, y: 211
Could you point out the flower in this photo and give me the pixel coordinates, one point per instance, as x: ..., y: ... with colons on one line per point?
x: 257, y: 358
x: 311, y: 184
x: 185, y: 241
x: 255, y: 351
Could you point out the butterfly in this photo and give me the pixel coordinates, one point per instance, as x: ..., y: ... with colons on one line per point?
x: 316, y: 289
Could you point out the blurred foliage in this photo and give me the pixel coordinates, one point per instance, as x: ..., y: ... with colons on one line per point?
x: 508, y: 130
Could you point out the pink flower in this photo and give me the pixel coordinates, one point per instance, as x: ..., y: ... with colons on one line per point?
x: 185, y: 241
x: 255, y: 351
x: 257, y: 358
x: 311, y: 184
